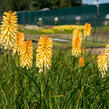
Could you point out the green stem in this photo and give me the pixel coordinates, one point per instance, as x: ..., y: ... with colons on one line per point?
x: 25, y: 91
x: 42, y: 93
x: 42, y: 87
x: 16, y: 77
x: 16, y: 82
x: 6, y: 57
x: 48, y: 91
x: 86, y: 42
x: 17, y: 60
x: 80, y: 95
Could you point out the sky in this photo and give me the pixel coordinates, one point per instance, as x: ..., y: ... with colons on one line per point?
x: 94, y: 1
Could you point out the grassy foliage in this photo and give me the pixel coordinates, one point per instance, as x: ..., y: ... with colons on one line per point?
x: 103, y: 29
x: 102, y: 36
x: 90, y: 44
x: 66, y: 29
x: 66, y: 85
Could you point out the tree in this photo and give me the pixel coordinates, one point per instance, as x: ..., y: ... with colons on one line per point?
x: 15, y: 5
x: 18, y: 5
x: 23, y: 5
x: 40, y: 4
x: 76, y: 2
x: 53, y: 4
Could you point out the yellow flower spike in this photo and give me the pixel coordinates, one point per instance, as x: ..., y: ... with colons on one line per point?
x: 44, y: 53
x: 102, y: 64
x: 26, y: 54
x: 76, y: 43
x: 8, y: 29
x: 87, y: 29
x: 18, y: 43
x: 107, y: 53
x: 81, y: 61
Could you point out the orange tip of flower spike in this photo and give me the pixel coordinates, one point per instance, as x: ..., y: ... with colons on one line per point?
x: 87, y: 29
x: 76, y: 43
x: 81, y: 61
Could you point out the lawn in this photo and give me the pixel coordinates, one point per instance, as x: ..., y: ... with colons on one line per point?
x: 66, y: 84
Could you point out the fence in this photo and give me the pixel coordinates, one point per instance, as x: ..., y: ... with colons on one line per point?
x: 80, y: 14
x: 74, y: 15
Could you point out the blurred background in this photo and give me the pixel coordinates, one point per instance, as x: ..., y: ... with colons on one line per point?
x: 48, y: 13
x: 66, y: 11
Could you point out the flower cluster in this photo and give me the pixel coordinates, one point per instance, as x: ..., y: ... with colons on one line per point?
x: 24, y: 49
x: 8, y: 29
x: 47, y: 31
x: 18, y: 43
x: 76, y: 43
x: 68, y: 27
x: 107, y: 53
x: 26, y: 54
x: 81, y: 61
x: 103, y: 61
x: 87, y: 29
x: 44, y: 53
x: 102, y: 64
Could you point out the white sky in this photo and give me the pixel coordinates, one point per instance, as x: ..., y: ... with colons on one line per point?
x: 94, y: 1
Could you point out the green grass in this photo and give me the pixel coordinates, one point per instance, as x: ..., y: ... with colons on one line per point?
x: 67, y: 45
x: 90, y: 44
x: 66, y: 85
x: 102, y: 29
x: 102, y: 37
x: 36, y: 31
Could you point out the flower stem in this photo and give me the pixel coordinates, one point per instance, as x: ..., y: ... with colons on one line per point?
x: 17, y: 60
x: 6, y: 57
x: 42, y: 87
x: 25, y: 88
x: 86, y: 42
